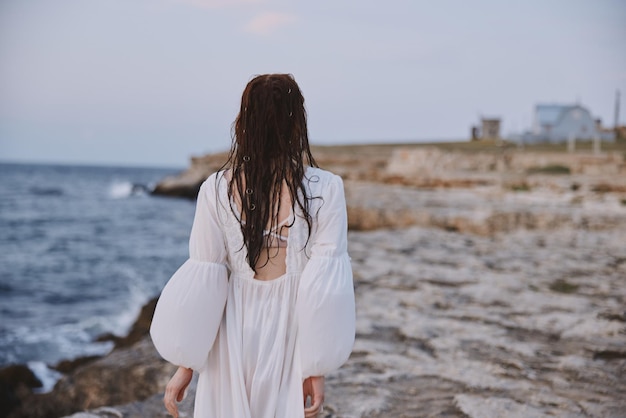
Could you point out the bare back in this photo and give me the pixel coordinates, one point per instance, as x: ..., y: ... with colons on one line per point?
x: 272, y: 261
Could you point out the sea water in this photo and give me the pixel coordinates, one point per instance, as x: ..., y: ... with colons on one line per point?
x: 81, y: 250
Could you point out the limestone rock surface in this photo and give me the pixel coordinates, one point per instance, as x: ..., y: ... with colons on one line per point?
x: 126, y: 375
x: 523, y: 324
x: 486, y: 286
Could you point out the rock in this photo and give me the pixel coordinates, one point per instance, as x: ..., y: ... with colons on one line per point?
x: 151, y: 407
x: 609, y: 188
x: 451, y: 324
x: 68, y: 366
x: 431, y: 161
x: 15, y: 381
x: 482, y: 193
x: 125, y: 375
x: 455, y: 324
x: 187, y: 184
x: 368, y: 163
x: 138, y: 331
x: 482, y: 290
x: 479, y: 407
x: 131, y: 372
x: 483, y: 211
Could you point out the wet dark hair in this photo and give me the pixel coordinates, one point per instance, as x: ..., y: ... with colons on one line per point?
x: 270, y: 146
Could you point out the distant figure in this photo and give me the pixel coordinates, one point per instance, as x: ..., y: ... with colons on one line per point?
x: 475, y: 135
x: 264, y: 306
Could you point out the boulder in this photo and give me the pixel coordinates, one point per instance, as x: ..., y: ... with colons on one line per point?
x: 138, y: 331
x: 16, y: 381
x: 187, y: 183
x: 133, y: 371
x: 126, y: 375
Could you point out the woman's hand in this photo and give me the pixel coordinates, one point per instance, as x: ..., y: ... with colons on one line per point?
x: 175, y: 389
x: 313, y: 387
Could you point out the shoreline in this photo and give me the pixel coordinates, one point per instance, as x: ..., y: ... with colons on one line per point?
x: 487, y: 324
x: 432, y: 235
x: 35, y: 382
x: 49, y: 374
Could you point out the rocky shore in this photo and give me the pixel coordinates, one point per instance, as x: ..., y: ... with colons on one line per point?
x: 488, y: 284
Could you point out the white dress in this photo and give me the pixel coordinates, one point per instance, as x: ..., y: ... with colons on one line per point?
x: 254, y: 342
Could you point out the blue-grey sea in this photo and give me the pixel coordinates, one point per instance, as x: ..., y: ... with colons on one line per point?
x: 81, y: 250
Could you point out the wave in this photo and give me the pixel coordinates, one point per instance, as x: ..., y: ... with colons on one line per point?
x: 77, y: 340
x: 138, y: 294
x: 51, y: 344
x: 47, y: 376
x: 124, y: 189
x: 46, y: 191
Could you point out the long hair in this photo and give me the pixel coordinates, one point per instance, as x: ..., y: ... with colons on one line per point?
x: 270, y: 148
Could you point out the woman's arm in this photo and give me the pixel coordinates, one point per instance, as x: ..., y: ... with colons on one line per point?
x: 176, y: 388
x: 313, y: 387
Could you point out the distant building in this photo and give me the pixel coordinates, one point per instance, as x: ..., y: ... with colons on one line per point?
x: 489, y: 129
x: 556, y: 123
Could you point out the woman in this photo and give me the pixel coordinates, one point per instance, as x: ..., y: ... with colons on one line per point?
x: 264, y: 306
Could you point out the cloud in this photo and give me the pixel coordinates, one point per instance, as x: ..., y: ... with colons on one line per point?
x: 218, y: 4
x: 268, y: 22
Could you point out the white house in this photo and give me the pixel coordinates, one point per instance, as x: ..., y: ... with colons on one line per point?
x: 557, y: 123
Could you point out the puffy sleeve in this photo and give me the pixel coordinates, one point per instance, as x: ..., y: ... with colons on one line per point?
x: 325, y: 304
x: 190, y: 308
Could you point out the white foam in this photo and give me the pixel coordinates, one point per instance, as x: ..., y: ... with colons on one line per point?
x: 120, y: 189
x: 45, y: 374
x: 120, y: 322
x: 140, y: 290
x: 62, y: 342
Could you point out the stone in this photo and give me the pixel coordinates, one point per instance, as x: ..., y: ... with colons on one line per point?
x: 139, y: 329
x: 125, y: 375
x: 132, y: 371
x: 15, y: 380
x: 187, y: 183
x: 458, y: 324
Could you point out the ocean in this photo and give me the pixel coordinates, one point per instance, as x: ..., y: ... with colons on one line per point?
x: 81, y: 250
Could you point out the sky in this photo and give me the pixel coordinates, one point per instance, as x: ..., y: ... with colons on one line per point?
x: 153, y: 82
